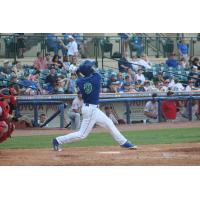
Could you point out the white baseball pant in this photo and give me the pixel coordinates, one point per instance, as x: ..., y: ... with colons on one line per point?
x: 92, y: 115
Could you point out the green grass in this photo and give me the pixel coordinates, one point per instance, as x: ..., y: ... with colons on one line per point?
x: 163, y: 136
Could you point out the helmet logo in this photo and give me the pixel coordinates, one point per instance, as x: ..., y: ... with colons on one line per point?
x: 88, y: 88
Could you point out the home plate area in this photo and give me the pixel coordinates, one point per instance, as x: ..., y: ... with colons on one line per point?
x: 162, y: 154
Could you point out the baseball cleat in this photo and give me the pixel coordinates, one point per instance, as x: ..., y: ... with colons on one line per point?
x: 128, y: 145
x: 56, y: 145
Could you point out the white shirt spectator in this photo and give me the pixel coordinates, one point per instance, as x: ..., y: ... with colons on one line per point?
x: 188, y: 88
x: 72, y: 48
x: 140, y: 77
x: 143, y: 63
x: 73, y: 68
x: 178, y: 87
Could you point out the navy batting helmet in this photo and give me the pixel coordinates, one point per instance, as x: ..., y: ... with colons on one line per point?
x: 86, y: 67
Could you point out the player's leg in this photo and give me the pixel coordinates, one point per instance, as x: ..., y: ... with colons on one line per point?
x: 107, y: 123
x: 77, y: 120
x: 86, y: 127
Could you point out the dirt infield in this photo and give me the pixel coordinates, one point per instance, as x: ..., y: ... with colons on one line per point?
x: 165, y: 154
x: 173, y: 154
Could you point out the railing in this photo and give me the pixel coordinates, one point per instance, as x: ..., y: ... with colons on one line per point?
x: 105, y: 98
x: 92, y: 46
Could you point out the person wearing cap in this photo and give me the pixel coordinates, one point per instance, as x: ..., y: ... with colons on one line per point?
x: 172, y: 61
x: 168, y: 108
x: 140, y: 76
x: 72, y: 47
x: 75, y: 113
x: 151, y: 110
x: 190, y: 86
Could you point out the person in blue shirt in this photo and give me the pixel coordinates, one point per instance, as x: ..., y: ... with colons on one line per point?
x: 89, y: 85
x: 172, y: 61
x: 183, y: 49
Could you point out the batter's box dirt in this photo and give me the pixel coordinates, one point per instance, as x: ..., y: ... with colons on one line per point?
x: 164, y: 154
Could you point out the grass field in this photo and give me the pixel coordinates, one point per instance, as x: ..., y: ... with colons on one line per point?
x: 164, y: 136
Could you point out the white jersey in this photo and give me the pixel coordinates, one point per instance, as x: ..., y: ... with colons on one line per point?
x: 140, y: 77
x: 72, y: 48
x: 151, y: 107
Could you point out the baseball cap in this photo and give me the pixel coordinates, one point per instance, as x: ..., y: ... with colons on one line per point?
x: 5, y: 61
x: 70, y: 37
x: 154, y: 95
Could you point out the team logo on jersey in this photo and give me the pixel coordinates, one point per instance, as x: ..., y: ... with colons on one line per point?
x: 88, y: 88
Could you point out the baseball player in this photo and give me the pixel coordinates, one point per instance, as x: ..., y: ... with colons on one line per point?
x: 89, y: 86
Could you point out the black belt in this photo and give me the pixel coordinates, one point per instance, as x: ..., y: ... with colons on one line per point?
x: 87, y: 104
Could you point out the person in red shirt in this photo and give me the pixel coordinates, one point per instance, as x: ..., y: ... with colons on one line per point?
x: 6, y: 125
x: 168, y: 108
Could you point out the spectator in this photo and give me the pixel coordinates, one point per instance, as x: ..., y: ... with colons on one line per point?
x: 143, y: 61
x: 159, y: 77
x: 139, y: 87
x: 190, y: 86
x: 178, y: 87
x: 51, y: 79
x: 183, y: 64
x: 35, y: 77
x: 47, y: 60
x: 39, y: 62
x: 194, y: 75
x: 17, y: 69
x: 151, y: 109
x: 165, y: 87
x: 109, y: 113
x: 186, y: 111
x: 73, y: 67
x: 56, y: 62
x: 7, y: 69
x: 149, y: 87
x: 75, y: 113
x: 120, y: 81
x: 172, y: 61
x: 72, y: 84
x: 72, y: 47
x: 113, y: 84
x: 123, y: 63
x: 183, y: 49
x: 132, y: 75
x: 128, y: 85
x: 42, y: 120
x: 168, y: 108
x: 59, y: 87
x: 140, y: 76
x: 195, y: 63
x: 66, y: 63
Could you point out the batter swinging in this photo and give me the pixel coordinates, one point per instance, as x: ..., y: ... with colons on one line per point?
x: 89, y: 86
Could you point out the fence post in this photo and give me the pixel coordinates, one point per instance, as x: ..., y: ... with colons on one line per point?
x: 35, y: 107
x: 61, y: 107
x: 190, y: 108
x: 128, y: 113
x: 159, y: 111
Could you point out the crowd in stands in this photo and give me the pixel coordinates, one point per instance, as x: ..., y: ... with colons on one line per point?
x: 57, y: 75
